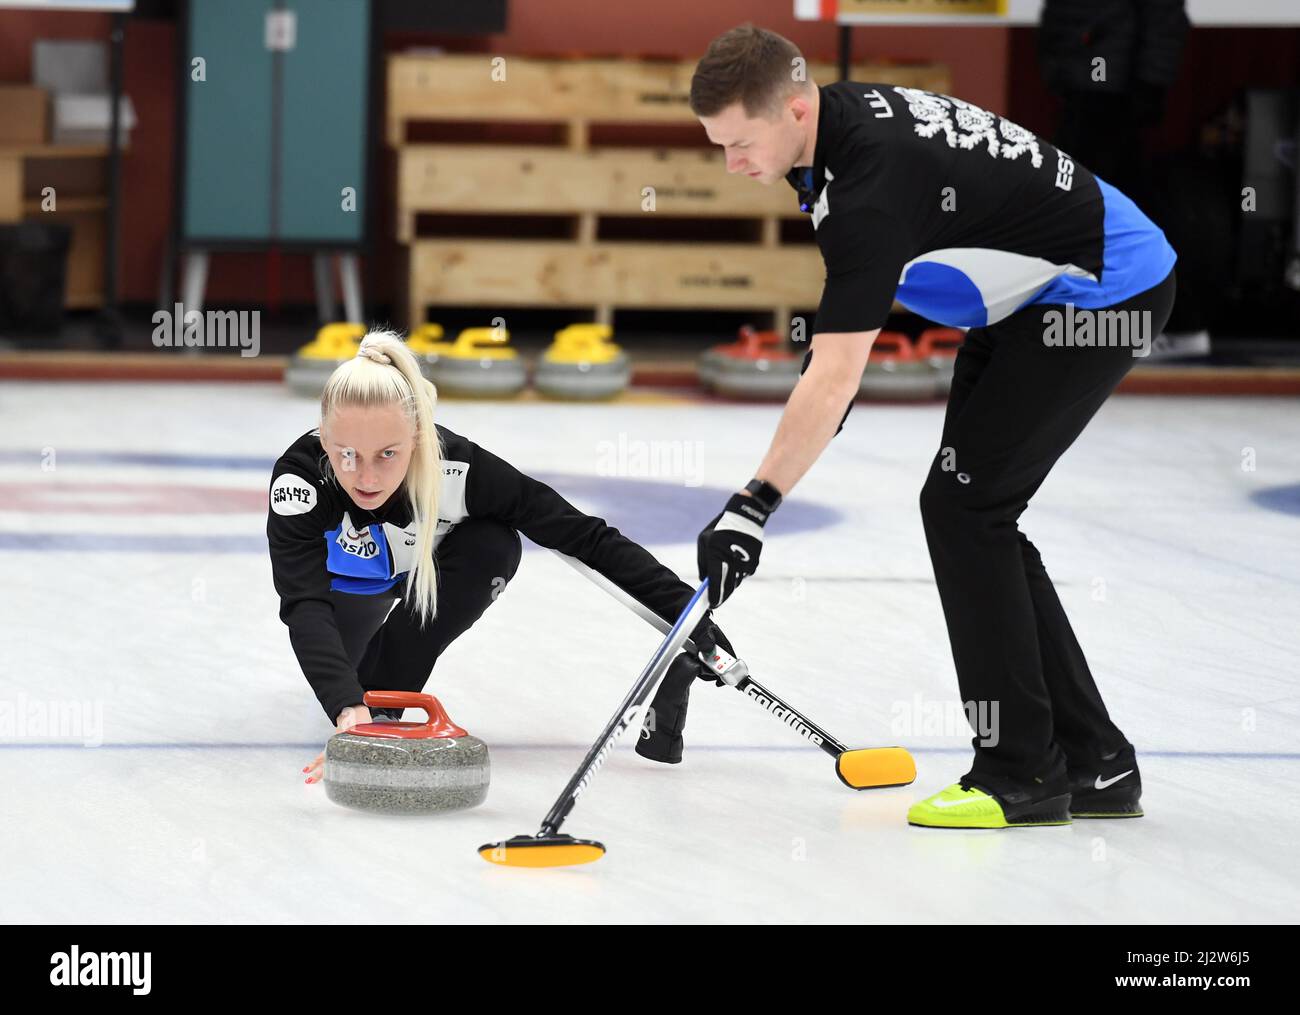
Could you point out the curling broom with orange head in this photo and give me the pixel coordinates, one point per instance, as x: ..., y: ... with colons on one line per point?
x: 857, y: 768
x: 552, y: 848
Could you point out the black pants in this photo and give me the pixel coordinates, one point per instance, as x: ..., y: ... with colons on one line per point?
x: 1016, y: 405
x: 389, y: 649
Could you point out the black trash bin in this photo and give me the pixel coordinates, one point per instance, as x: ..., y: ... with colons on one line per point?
x: 33, y: 273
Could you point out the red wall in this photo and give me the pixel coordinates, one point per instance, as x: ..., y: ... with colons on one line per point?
x: 976, y: 56
x: 993, y: 67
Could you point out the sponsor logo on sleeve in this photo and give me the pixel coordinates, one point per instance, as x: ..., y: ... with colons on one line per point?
x: 292, y: 495
x: 1064, y: 171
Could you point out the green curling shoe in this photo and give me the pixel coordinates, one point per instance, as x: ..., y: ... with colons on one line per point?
x: 966, y: 805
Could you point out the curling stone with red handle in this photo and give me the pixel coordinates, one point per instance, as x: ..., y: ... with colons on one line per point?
x: 406, y: 767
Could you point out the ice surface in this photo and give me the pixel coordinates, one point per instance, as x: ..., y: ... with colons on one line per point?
x: 137, y: 599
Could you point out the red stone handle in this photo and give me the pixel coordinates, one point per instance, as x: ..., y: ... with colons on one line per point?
x: 439, y: 724
x: 939, y: 342
x: 755, y: 343
x: 892, y: 345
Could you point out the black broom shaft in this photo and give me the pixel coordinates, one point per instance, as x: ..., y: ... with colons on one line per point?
x: 677, y: 636
x: 793, y: 718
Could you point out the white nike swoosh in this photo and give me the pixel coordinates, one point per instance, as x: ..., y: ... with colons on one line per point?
x: 1099, y: 784
x: 957, y: 803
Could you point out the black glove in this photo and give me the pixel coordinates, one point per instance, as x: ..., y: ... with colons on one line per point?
x: 707, y: 636
x: 728, y: 548
x: 661, y: 736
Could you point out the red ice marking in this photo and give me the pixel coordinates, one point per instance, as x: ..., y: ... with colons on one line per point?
x: 53, y: 497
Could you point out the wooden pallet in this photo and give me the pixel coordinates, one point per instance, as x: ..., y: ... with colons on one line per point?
x: 587, y: 182
x: 485, y: 86
x: 605, y: 276
x: 523, y: 179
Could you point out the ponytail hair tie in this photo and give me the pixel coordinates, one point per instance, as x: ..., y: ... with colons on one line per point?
x: 373, y: 352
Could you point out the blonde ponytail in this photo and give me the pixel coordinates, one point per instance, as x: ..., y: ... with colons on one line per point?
x: 385, y: 372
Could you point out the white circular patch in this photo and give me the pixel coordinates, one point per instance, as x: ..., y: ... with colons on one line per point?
x: 292, y: 495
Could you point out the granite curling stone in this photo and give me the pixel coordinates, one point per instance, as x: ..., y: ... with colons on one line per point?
x: 406, y: 767
x: 583, y: 363
x: 938, y: 347
x: 480, y: 363
x: 758, y: 365
x: 711, y: 360
x: 310, y: 367
x: 427, y: 343
x: 895, y: 374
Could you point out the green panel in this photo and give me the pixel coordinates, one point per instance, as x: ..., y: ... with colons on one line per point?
x: 228, y: 122
x: 326, y: 104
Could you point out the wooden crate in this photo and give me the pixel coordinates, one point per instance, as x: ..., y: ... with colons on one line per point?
x: 574, y: 178
x: 521, y: 179
x: 85, y: 281
x: 605, y: 276
x: 77, y: 174
x: 24, y: 114
x: 463, y: 87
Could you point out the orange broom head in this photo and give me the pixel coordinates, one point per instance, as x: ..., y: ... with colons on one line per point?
x: 542, y: 851
x: 876, y: 767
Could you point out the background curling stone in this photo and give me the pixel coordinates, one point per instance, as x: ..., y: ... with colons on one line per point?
x: 479, y: 363
x: 583, y: 363
x: 406, y: 767
x: 938, y: 347
x: 758, y: 365
x: 310, y: 367
x: 427, y: 344
x: 894, y: 373
x: 711, y: 358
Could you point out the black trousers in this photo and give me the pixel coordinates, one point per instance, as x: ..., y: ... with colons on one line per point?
x: 1016, y: 404
x: 381, y: 634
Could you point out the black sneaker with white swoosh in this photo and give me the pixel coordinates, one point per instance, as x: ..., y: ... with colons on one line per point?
x: 1108, y: 788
